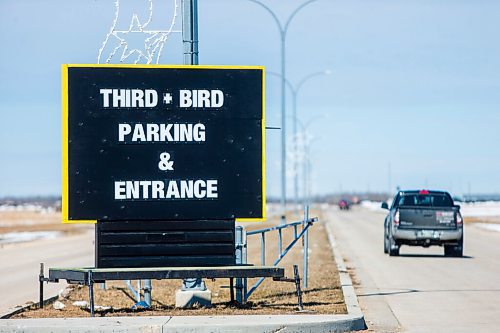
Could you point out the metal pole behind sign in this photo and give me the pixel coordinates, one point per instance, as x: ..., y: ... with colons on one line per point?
x: 190, y: 31
x: 190, y: 40
x: 283, y: 128
x: 295, y: 152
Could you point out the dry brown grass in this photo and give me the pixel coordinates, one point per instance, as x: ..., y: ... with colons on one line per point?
x: 488, y: 219
x: 19, y: 221
x: 323, y: 296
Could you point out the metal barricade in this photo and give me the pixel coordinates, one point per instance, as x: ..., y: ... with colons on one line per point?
x: 241, y: 249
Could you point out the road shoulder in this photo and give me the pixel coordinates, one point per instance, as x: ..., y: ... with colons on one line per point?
x: 377, y: 312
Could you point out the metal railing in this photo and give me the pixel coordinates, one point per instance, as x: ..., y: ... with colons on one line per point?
x: 241, y: 250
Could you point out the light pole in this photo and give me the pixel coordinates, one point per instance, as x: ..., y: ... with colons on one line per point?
x: 307, y: 141
x: 190, y: 40
x: 307, y: 172
x: 283, y: 31
x: 295, y: 91
x: 306, y: 188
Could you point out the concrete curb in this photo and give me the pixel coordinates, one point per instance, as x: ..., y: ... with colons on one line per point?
x: 181, y: 324
x: 352, y: 321
x: 262, y: 323
x: 350, y: 298
x: 85, y: 325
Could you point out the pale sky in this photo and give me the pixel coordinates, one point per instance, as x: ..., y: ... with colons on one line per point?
x: 414, y: 84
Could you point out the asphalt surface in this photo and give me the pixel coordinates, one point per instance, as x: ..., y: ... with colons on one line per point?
x: 421, y: 290
x: 20, y: 266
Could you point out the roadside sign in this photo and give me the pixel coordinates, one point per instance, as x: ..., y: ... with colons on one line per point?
x: 154, y: 142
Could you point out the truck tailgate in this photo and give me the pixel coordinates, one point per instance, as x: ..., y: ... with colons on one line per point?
x: 427, y: 217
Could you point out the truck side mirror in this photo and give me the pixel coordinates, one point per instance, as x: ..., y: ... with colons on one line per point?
x: 457, y: 207
x: 385, y: 205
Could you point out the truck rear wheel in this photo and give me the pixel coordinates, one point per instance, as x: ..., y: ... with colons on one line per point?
x: 393, y: 247
x: 454, y: 250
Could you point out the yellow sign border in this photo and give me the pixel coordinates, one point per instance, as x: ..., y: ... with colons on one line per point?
x: 65, y: 130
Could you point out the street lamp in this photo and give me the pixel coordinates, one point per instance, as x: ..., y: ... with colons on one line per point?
x: 307, y: 186
x: 295, y: 91
x: 283, y: 31
x: 307, y: 141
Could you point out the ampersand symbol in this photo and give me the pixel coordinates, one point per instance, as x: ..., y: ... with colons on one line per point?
x: 165, y: 164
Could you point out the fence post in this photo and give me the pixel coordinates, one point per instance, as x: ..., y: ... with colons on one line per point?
x: 245, y: 261
x: 263, y: 249
x: 306, y: 247
x: 280, y: 243
x: 297, y: 287
x: 239, y: 231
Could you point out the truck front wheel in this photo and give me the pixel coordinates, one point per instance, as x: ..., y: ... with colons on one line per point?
x: 386, y: 241
x: 393, y: 247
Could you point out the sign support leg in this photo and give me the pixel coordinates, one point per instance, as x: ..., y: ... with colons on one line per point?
x: 297, y: 287
x: 90, y: 283
x: 40, y: 278
x: 148, y: 288
x: 231, y: 289
x: 240, y: 260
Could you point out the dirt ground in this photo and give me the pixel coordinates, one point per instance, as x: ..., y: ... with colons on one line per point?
x: 487, y: 219
x: 20, y: 221
x: 323, y: 295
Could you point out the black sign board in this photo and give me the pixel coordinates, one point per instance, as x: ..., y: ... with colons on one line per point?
x: 153, y: 142
x: 164, y: 243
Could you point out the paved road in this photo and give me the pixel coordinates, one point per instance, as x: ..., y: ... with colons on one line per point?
x: 19, y: 266
x: 421, y: 291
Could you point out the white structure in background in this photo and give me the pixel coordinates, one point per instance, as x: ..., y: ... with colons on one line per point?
x: 27, y: 236
x: 480, y: 209
x: 131, y: 38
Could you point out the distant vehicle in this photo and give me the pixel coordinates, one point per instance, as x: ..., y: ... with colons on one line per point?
x: 423, y: 218
x: 344, y: 205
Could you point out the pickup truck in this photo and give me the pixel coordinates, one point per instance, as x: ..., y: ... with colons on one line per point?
x: 423, y: 218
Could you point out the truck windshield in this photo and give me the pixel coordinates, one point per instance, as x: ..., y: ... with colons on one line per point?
x: 429, y: 200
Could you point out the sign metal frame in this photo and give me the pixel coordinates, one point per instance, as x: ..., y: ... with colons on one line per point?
x: 65, y: 130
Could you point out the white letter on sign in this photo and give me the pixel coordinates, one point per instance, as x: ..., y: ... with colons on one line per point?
x: 120, y: 191
x: 123, y: 130
x: 199, y: 132
x: 203, y: 99
x: 217, y: 98
x: 185, y: 99
x: 199, y: 189
x: 137, y: 98
x: 151, y: 98
x: 105, y: 94
x: 211, y: 188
